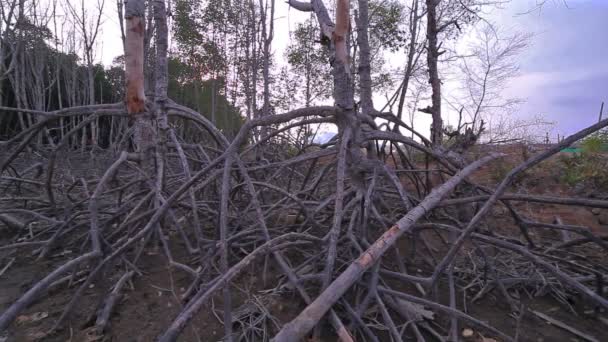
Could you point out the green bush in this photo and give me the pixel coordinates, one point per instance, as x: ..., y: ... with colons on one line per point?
x: 592, y: 144
x: 500, y: 169
x: 571, y: 166
x: 589, y: 166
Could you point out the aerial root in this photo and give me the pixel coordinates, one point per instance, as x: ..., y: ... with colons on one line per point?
x: 214, y: 210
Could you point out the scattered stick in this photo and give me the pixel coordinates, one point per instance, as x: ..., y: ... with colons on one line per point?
x: 309, y: 317
x: 565, y: 326
x: 8, y: 265
x: 195, y: 304
x: 103, y: 317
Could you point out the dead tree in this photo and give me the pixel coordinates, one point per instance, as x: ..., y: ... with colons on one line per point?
x: 367, y: 104
x: 413, y: 55
x: 325, y: 217
x: 89, y: 29
x: 432, y: 31
x: 144, y: 135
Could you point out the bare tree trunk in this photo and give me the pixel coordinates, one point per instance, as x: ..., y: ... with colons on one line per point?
x: 432, y: 60
x: 161, y: 82
x: 149, y: 56
x: 267, y: 37
x: 248, y: 79
x: 253, y: 62
x: 351, y: 159
x: 365, y: 78
x: 89, y: 30
x: 91, y: 83
x: 343, y: 90
x: 134, y: 72
x: 214, y: 99
x: 58, y: 74
x: 119, y: 8
x: 414, y: 23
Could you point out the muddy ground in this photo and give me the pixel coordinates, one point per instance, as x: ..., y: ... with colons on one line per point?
x: 153, y: 300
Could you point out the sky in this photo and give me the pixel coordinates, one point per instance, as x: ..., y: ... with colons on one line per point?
x: 563, y: 73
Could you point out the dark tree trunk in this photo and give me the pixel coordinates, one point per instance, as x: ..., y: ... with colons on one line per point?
x: 432, y: 60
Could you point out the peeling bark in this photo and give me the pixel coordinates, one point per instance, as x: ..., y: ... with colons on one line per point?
x: 134, y: 56
x: 134, y: 72
x: 340, y: 34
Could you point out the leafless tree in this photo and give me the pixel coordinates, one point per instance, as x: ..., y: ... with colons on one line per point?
x: 432, y: 32
x: 325, y: 217
x: 89, y: 26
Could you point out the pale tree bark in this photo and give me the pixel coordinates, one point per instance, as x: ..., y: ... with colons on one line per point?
x: 248, y: 79
x: 341, y: 31
x: 309, y: 74
x: 134, y: 71
x: 267, y: 37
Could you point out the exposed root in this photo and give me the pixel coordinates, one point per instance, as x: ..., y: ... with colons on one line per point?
x: 215, y: 208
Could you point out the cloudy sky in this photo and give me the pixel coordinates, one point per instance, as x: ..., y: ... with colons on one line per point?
x: 564, y: 72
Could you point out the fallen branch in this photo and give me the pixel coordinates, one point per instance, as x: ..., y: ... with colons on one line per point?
x: 583, y: 202
x: 309, y: 317
x: 565, y: 326
x: 103, y: 318
x: 195, y: 304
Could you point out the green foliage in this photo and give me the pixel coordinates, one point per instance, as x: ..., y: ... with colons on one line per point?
x: 192, y: 22
x: 462, y: 13
x: 590, y: 166
x: 53, y: 79
x: 187, y: 89
x: 199, y: 69
x: 592, y: 145
x: 290, y: 150
x: 499, y: 169
x: 185, y: 27
x: 386, y: 25
x: 572, y: 168
x: 309, y: 67
x: 64, y: 73
x: 596, y: 142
